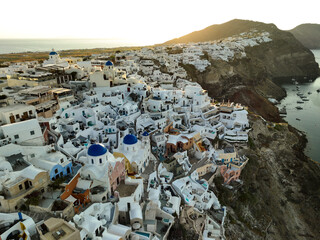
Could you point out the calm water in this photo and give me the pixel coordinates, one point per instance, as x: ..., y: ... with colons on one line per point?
x: 41, y: 45
x: 310, y: 114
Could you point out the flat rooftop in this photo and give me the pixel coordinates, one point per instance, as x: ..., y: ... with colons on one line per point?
x: 11, y: 108
x: 207, y: 176
x: 17, y: 162
x: 126, y: 190
x: 36, y: 90
x: 61, y: 230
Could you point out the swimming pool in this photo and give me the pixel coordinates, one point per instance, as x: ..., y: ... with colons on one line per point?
x: 145, y: 234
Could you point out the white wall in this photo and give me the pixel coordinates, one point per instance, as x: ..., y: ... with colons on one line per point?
x: 24, y: 133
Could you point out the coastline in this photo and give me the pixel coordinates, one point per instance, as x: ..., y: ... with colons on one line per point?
x: 43, y: 55
x: 303, y: 135
x: 278, y: 179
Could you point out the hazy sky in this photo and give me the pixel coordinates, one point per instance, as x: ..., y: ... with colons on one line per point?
x: 143, y: 21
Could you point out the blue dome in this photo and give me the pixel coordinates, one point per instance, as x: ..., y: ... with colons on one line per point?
x: 109, y: 63
x: 53, y: 53
x: 145, y: 134
x: 130, y: 139
x: 96, y: 150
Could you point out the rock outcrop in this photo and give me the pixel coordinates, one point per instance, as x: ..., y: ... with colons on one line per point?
x: 261, y: 71
x: 280, y: 196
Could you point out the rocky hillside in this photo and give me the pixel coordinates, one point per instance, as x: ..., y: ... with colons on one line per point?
x: 308, y: 34
x: 217, y: 31
x: 259, y: 73
x: 280, y: 196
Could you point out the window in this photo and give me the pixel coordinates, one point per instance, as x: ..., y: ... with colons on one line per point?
x: 100, y: 160
x: 17, y: 116
x: 16, y: 136
x: 32, y: 155
x: 20, y: 186
x: 92, y: 161
x: 56, y: 171
x: 30, y: 112
x: 32, y: 132
x: 61, y: 160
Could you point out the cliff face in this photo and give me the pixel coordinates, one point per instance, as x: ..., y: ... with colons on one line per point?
x: 264, y: 66
x: 308, y: 34
x: 280, y: 196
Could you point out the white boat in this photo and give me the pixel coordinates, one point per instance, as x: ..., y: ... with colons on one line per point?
x: 283, y: 111
x: 299, y: 108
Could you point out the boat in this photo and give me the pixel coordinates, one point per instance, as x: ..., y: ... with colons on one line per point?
x: 300, y: 102
x: 318, y: 90
x: 305, y: 99
x: 283, y: 111
x: 299, y: 108
x: 309, y: 93
x: 298, y: 119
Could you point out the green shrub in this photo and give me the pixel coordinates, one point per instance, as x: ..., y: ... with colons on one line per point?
x: 251, y: 143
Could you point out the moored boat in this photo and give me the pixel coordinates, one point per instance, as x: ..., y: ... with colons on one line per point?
x: 283, y: 111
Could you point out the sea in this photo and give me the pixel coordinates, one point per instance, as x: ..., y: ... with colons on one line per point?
x: 46, y: 45
x: 307, y: 119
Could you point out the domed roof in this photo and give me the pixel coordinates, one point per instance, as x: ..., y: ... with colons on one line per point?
x: 130, y: 139
x: 53, y: 53
x: 145, y: 134
x: 109, y: 63
x: 96, y: 150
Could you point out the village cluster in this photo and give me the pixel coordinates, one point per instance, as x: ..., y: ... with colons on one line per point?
x: 116, y: 147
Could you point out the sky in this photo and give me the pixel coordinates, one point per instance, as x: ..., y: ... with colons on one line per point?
x: 142, y: 21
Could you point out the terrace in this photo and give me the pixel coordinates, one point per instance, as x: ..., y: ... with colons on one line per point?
x: 126, y: 190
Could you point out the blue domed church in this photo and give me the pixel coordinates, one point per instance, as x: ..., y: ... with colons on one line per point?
x: 137, y: 152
